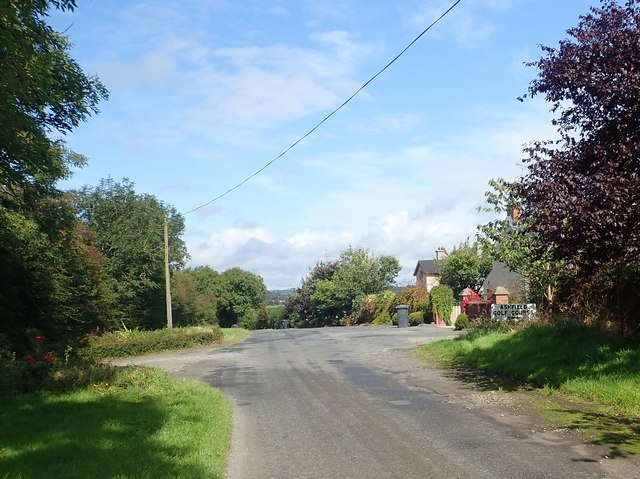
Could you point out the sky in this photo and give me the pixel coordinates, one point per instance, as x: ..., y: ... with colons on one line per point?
x: 204, y: 93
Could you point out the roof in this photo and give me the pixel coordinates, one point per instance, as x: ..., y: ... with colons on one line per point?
x: 427, y: 266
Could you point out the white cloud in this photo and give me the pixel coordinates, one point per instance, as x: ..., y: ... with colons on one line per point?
x: 404, y: 203
x: 468, y: 22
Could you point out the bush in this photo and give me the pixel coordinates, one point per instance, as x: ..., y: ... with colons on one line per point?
x: 134, y: 343
x: 416, y: 318
x: 382, y: 319
x: 21, y: 376
x: 416, y: 297
x: 275, y: 315
x: 441, y: 299
x: 462, y: 322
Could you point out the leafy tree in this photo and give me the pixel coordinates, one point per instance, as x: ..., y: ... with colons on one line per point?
x: 191, y: 306
x: 299, y: 307
x: 581, y: 194
x: 335, y: 290
x: 42, y: 91
x: 359, y: 273
x: 129, y: 233
x: 512, y: 243
x: 466, y: 267
x: 327, y: 301
x: 241, y: 295
x: 51, y: 276
x: 52, y: 272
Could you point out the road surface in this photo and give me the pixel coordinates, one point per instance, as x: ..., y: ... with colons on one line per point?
x: 353, y: 403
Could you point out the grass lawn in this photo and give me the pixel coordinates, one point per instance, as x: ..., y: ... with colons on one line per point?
x: 120, y: 423
x: 597, y: 375
x: 140, y: 425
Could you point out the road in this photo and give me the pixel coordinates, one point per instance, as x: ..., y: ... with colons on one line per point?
x: 350, y: 403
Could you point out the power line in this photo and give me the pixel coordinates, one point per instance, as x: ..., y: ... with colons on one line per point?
x: 329, y: 115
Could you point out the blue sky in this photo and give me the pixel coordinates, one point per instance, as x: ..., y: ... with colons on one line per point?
x: 205, y: 92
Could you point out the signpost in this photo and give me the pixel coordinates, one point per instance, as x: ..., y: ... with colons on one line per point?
x: 512, y: 312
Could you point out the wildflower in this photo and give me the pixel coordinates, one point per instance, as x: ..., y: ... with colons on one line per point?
x: 30, y: 359
x: 38, y: 338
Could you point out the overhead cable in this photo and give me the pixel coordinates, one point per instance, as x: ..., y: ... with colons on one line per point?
x: 329, y: 115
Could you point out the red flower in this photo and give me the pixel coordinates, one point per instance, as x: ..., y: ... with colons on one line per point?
x: 51, y: 358
x: 30, y: 359
x: 38, y: 338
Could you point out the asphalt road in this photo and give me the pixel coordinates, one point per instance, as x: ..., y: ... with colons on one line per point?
x: 349, y: 403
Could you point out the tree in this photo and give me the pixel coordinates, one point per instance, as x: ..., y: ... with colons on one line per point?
x: 581, y: 195
x: 299, y: 307
x: 51, y: 270
x: 360, y: 273
x: 190, y: 305
x: 241, y: 295
x: 42, y: 91
x: 466, y: 267
x: 52, y: 277
x: 334, y: 290
x: 129, y: 233
x: 511, y: 242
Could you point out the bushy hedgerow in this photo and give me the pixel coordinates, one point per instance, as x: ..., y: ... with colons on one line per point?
x: 134, y: 343
x: 416, y: 297
x: 416, y: 318
x: 382, y: 319
x: 23, y: 376
x: 375, y: 309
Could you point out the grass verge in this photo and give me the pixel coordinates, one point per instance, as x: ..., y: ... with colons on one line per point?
x: 597, y: 376
x: 234, y: 335
x: 138, y: 424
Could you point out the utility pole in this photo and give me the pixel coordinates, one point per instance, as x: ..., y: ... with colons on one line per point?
x: 167, y: 275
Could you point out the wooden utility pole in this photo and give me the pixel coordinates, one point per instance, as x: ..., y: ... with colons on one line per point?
x: 167, y: 273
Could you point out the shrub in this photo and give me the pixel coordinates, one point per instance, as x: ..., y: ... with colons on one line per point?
x: 275, y: 315
x: 134, y: 343
x: 462, y: 322
x: 382, y: 319
x: 416, y: 318
x: 366, y: 310
x: 416, y: 297
x: 441, y: 299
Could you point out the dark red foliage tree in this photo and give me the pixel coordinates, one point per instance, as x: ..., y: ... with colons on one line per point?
x: 582, y: 193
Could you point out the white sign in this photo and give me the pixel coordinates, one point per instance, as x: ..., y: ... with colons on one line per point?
x: 502, y: 312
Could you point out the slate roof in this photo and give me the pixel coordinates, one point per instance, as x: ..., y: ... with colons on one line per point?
x: 427, y: 265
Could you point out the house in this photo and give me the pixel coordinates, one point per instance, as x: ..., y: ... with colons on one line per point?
x: 500, y: 275
x: 426, y: 271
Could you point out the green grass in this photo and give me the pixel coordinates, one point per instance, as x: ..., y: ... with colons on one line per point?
x: 140, y: 424
x: 234, y: 335
x: 599, y: 375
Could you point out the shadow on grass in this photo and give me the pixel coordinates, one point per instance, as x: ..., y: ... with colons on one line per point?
x: 622, y: 435
x: 485, y: 380
x: 551, y: 356
x: 100, y: 438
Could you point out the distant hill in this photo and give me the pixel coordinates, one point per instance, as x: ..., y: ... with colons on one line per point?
x: 278, y: 296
